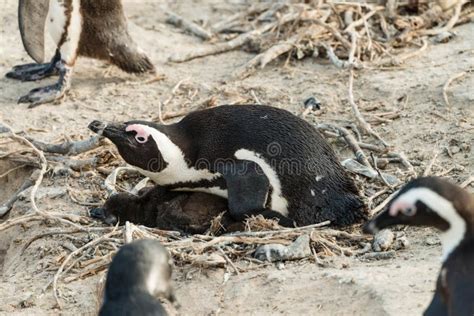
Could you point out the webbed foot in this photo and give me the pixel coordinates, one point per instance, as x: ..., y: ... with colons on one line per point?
x: 34, y: 71
x: 52, y: 92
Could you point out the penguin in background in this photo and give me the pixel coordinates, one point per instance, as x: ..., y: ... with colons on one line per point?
x: 435, y: 202
x: 139, y: 272
x: 89, y: 28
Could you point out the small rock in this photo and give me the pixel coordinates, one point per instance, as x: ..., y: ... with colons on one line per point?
x: 432, y: 241
x: 454, y: 149
x: 312, y: 103
x: 356, y: 167
x: 271, y: 252
x: 29, y: 301
x: 280, y: 265
x: 378, y: 255
x: 383, y: 240
x: 401, y: 241
x: 299, y: 249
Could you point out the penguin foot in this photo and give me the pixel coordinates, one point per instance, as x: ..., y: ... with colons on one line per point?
x: 42, y: 95
x: 32, y: 72
x: 51, y: 93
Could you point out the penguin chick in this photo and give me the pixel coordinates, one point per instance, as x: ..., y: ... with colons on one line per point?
x: 90, y: 28
x: 187, y: 212
x: 435, y: 202
x: 139, y: 272
x: 263, y: 160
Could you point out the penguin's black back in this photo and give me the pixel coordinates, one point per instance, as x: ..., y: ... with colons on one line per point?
x: 315, y: 184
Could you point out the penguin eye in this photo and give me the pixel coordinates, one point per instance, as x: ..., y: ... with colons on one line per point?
x: 409, y: 211
x: 141, y: 139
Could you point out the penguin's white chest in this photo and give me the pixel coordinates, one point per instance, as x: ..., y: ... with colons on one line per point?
x: 65, y: 30
x: 56, y: 20
x: 177, y: 170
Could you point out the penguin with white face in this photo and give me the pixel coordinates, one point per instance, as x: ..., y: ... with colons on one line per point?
x: 263, y: 160
x: 435, y: 202
x: 90, y: 28
x: 139, y: 274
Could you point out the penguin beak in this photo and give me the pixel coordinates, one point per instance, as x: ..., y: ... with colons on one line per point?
x: 97, y: 127
x: 99, y: 213
x: 383, y: 220
x: 113, y: 132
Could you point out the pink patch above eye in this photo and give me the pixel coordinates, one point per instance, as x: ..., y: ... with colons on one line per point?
x: 141, y: 134
x: 398, y: 206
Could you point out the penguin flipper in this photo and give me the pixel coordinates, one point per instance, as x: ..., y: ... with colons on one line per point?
x: 32, y: 16
x: 248, y: 189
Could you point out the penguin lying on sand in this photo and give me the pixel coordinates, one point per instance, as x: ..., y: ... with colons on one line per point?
x: 139, y: 272
x: 263, y: 160
x: 90, y: 28
x: 438, y: 203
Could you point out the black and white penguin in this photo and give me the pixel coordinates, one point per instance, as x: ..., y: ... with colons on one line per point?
x: 432, y: 201
x: 139, y: 273
x: 262, y: 159
x: 90, y: 28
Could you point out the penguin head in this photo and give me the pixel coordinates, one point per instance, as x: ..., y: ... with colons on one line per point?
x: 429, y: 201
x: 141, y: 266
x: 122, y: 207
x: 134, y: 141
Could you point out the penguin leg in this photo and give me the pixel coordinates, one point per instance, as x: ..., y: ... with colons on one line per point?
x: 33, y: 72
x: 248, y: 188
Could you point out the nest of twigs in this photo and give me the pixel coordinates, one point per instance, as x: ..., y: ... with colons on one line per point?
x: 348, y: 33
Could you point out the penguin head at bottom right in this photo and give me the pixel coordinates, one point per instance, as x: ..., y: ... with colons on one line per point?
x: 427, y: 201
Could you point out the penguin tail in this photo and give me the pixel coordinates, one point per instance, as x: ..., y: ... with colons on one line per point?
x: 348, y: 210
x: 344, y: 210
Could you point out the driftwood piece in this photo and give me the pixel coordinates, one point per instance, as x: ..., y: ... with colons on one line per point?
x: 190, y: 26
x: 68, y: 147
x: 350, y: 140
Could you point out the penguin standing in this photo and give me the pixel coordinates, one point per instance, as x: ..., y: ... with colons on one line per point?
x: 139, y: 272
x: 435, y: 202
x: 90, y: 28
x: 263, y: 160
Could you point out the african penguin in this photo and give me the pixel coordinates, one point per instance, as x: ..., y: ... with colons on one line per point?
x: 139, y: 272
x: 432, y: 201
x: 90, y: 28
x: 262, y: 159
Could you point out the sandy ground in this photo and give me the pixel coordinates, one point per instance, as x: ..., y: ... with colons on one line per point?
x: 346, y: 286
